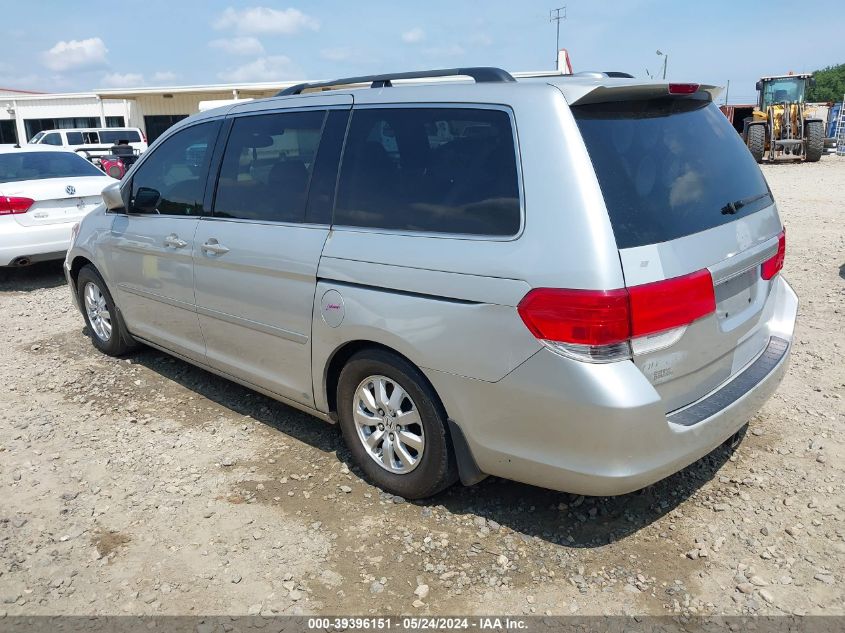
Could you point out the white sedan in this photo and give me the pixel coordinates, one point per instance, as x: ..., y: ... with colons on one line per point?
x: 44, y: 191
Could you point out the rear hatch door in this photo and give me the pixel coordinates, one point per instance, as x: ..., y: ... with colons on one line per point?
x: 684, y: 195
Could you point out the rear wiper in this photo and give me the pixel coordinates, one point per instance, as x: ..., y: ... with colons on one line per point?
x: 732, y: 207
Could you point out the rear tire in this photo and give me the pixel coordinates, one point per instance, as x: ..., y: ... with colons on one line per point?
x: 814, y: 139
x: 105, y: 325
x: 757, y: 141
x: 425, y: 463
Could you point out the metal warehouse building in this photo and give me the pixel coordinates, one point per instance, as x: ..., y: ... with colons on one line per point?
x: 24, y: 113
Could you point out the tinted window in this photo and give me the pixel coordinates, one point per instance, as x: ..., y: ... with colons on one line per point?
x: 40, y: 165
x: 444, y: 170
x: 53, y: 138
x: 74, y: 138
x: 114, y: 136
x: 177, y: 169
x: 669, y: 168
x: 267, y: 166
x: 324, y: 179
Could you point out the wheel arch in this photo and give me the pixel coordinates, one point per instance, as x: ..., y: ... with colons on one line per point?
x: 468, y: 469
x: 341, y: 355
x: 77, y: 264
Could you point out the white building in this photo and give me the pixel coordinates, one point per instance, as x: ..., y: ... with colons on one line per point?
x: 23, y: 114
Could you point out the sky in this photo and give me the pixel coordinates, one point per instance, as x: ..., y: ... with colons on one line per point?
x: 66, y: 45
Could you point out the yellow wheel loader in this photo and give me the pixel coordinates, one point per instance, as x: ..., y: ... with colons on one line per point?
x: 782, y: 126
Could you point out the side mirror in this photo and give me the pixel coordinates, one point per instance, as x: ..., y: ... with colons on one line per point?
x: 146, y: 200
x: 758, y: 86
x: 112, y: 197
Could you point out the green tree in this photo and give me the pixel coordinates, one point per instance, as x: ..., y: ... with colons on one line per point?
x: 830, y: 84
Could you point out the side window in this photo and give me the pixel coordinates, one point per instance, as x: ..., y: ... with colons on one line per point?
x: 74, y: 138
x: 172, y: 178
x: 53, y: 138
x: 439, y: 170
x: 267, y: 166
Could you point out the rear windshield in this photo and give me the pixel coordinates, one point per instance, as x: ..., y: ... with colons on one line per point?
x: 669, y: 168
x: 40, y: 165
x: 115, y: 136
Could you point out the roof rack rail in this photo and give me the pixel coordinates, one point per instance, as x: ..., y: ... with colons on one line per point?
x: 598, y: 74
x: 481, y: 74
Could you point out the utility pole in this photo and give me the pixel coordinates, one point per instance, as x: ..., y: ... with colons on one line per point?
x: 727, y: 91
x: 556, y: 16
x: 665, y: 61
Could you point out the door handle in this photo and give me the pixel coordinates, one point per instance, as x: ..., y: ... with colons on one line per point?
x: 173, y: 241
x: 214, y: 247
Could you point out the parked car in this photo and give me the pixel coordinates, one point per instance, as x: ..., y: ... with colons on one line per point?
x: 93, y: 142
x: 572, y: 282
x: 44, y: 191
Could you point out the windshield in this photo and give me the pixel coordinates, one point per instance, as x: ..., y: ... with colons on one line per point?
x: 784, y: 89
x: 36, y: 138
x: 16, y: 166
x: 669, y: 168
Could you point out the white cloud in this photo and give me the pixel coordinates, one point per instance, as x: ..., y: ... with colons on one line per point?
x: 76, y: 54
x: 164, y: 77
x: 414, y: 36
x: 271, y: 68
x: 480, y: 39
x: 122, y: 80
x: 238, y: 45
x: 266, y: 20
x: 336, y: 54
x: 449, y: 50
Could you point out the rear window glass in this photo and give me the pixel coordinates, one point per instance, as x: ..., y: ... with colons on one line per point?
x: 669, y: 168
x: 16, y: 166
x: 439, y: 170
x: 115, y: 136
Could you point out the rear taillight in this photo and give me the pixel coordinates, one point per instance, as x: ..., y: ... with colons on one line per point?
x: 670, y: 303
x: 683, y: 89
x: 772, y: 266
x: 599, y: 325
x: 10, y: 205
x: 584, y: 317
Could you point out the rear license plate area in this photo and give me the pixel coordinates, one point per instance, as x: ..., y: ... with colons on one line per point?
x: 736, y: 294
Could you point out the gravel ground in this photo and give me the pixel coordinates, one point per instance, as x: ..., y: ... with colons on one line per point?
x: 147, y: 486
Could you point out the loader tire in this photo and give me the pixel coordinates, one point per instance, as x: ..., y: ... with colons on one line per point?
x: 757, y: 141
x: 814, y: 139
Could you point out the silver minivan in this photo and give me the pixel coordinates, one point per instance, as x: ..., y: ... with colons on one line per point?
x: 569, y: 281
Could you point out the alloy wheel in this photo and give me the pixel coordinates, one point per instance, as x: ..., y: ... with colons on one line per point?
x: 389, y: 425
x: 98, y: 312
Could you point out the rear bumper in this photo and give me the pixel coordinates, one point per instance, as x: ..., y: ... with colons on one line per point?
x: 602, y: 429
x: 36, y: 242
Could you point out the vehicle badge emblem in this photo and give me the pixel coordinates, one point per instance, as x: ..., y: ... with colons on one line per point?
x: 70, y: 189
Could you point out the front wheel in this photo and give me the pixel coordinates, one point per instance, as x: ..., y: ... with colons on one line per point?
x: 757, y: 141
x: 814, y: 140
x: 394, y: 425
x: 108, y: 333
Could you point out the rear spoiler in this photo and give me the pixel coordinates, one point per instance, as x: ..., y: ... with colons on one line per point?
x: 603, y: 90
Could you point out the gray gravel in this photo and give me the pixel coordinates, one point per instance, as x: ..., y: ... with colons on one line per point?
x: 144, y: 486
